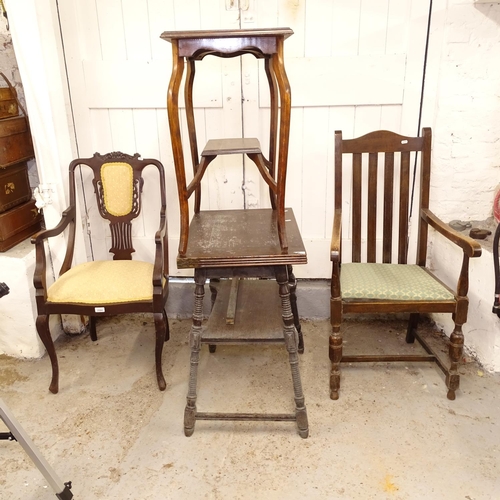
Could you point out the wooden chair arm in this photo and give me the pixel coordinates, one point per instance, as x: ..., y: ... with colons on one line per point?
x: 470, y: 246
x: 66, y: 218
x: 161, y: 253
x: 336, y: 235
x: 39, y: 275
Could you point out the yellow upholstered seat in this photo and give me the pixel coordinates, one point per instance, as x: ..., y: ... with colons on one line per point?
x: 104, y: 282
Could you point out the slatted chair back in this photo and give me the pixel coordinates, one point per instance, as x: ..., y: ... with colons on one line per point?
x: 379, y: 178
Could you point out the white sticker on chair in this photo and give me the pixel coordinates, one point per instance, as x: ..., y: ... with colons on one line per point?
x: 99, y: 309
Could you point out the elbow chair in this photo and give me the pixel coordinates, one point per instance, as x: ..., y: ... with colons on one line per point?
x: 107, y: 287
x: 379, y: 278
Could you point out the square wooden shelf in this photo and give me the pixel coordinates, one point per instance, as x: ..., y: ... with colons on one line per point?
x: 221, y: 238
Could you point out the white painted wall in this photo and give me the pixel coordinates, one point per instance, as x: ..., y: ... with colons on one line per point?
x: 34, y: 32
x: 482, y: 330
x: 17, y: 326
x: 17, y: 318
x: 18, y: 335
x: 9, y: 67
x: 463, y: 106
x: 466, y: 152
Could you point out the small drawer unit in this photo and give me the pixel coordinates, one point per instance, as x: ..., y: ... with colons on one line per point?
x: 14, y: 186
x: 19, y: 223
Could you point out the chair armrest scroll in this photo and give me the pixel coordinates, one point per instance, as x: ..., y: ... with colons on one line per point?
x: 471, y: 247
x: 336, y: 234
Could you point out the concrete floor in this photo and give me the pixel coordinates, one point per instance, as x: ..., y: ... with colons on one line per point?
x: 391, y: 435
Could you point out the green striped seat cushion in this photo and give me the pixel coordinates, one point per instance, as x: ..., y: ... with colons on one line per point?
x: 390, y: 282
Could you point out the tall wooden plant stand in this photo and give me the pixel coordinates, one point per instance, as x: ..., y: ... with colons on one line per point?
x: 239, y: 244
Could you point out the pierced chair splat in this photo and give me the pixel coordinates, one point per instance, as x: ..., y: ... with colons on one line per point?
x: 107, y: 287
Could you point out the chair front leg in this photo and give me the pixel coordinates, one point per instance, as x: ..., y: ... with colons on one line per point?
x: 42, y: 327
x: 335, y: 342
x: 335, y: 351
x: 160, y: 327
x: 456, y: 343
x: 455, y: 352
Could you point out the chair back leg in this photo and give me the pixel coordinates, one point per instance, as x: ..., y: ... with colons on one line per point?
x: 412, y: 326
x: 92, y: 328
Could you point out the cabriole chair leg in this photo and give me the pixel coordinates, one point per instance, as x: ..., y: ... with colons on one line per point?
x: 42, y: 327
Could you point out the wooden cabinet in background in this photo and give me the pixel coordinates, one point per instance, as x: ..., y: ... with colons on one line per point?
x: 19, y: 223
x: 19, y: 217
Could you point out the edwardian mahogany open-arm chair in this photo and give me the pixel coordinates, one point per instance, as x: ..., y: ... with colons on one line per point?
x: 107, y: 287
x: 379, y: 278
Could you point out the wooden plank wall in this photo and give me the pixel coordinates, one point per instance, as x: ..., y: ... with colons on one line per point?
x: 353, y: 65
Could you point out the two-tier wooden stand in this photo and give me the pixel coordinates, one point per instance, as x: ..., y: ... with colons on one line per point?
x: 238, y: 244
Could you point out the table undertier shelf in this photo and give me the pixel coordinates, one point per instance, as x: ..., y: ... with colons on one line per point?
x: 257, y: 316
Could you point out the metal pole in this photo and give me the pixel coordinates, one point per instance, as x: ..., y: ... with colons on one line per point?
x: 62, y: 490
